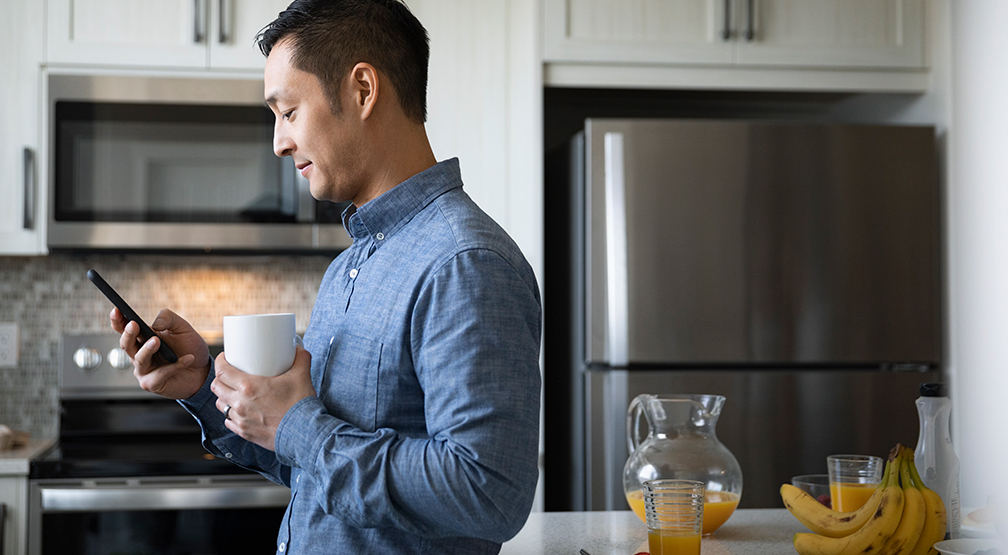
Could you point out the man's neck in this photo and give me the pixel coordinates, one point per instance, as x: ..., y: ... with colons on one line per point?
x: 397, y: 160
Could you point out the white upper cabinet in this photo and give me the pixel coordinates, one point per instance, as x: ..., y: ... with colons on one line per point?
x: 21, y: 41
x: 628, y: 38
x: 234, y: 26
x: 639, y: 31
x: 191, y: 34
x: 833, y: 33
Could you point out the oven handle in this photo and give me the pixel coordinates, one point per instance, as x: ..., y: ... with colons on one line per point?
x: 57, y: 499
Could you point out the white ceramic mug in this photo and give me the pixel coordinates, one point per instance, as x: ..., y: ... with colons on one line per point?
x: 261, y: 344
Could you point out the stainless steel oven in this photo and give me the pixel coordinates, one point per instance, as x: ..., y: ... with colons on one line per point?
x: 129, y: 475
x: 175, y: 163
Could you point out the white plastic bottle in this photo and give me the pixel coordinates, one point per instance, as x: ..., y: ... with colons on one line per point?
x: 936, y: 461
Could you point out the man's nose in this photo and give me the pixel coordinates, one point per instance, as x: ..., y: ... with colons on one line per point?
x: 282, y: 143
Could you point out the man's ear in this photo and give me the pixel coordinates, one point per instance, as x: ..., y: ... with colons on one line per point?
x: 364, y: 88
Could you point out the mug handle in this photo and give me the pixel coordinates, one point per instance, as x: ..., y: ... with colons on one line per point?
x: 298, y: 342
x: 633, y: 422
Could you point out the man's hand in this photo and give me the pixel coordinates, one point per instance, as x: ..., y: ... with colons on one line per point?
x: 180, y: 380
x: 258, y: 403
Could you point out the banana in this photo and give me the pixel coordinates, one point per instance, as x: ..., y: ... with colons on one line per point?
x: 934, y: 516
x: 911, y: 523
x: 871, y: 537
x: 825, y: 521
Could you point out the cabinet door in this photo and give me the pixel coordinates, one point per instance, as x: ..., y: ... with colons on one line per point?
x: 640, y: 31
x: 234, y: 25
x: 833, y: 33
x: 14, y: 494
x: 147, y: 33
x: 21, y: 41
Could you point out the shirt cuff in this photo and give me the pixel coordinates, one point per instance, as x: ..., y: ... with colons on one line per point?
x: 203, y: 396
x: 302, y: 432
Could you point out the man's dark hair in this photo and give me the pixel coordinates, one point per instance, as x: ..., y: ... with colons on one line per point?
x: 328, y: 37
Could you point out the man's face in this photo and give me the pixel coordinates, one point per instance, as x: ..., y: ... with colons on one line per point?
x: 325, y: 147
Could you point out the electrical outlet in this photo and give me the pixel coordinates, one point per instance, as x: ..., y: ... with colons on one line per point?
x: 8, y: 344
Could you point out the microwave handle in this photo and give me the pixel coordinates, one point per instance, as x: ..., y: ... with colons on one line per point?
x: 30, y: 186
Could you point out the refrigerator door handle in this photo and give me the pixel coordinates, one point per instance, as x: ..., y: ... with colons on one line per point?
x: 617, y: 296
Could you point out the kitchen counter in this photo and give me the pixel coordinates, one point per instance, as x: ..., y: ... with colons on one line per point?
x: 14, y: 462
x: 747, y: 532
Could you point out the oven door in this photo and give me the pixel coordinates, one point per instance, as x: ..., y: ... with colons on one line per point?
x: 158, y: 516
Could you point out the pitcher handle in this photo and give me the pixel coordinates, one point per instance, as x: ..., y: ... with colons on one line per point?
x: 633, y: 423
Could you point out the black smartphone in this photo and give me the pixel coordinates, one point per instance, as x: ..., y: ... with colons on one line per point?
x: 145, y: 331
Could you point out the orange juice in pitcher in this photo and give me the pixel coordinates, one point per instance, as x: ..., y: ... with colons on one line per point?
x: 681, y: 444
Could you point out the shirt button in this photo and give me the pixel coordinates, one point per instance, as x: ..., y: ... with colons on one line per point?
x: 380, y: 236
x: 353, y: 273
x: 283, y: 546
x: 228, y: 455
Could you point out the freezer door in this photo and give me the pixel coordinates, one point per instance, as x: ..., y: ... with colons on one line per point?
x: 728, y: 242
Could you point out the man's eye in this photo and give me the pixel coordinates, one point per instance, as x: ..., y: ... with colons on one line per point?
x: 287, y: 114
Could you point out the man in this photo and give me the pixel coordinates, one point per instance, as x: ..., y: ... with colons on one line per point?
x: 409, y: 423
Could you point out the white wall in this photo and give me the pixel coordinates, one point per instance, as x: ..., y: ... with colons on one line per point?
x: 484, y: 97
x: 978, y: 245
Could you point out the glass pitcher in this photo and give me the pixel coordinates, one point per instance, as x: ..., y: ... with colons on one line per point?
x: 681, y: 444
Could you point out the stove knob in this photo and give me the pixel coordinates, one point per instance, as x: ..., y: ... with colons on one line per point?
x: 119, y: 359
x: 87, y: 358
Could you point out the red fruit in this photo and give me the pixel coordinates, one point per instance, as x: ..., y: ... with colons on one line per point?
x: 825, y: 500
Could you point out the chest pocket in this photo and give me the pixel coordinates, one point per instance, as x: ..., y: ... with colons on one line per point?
x: 350, y: 382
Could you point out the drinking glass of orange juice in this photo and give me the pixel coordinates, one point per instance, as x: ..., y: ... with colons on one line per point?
x: 853, y: 479
x: 674, y: 511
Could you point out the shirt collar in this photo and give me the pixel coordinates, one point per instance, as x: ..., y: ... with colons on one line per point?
x: 383, y: 216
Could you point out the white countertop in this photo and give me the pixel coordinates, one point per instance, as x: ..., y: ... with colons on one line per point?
x: 747, y: 532
x: 14, y: 462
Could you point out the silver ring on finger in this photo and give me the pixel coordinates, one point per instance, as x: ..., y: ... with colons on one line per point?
x: 227, y: 412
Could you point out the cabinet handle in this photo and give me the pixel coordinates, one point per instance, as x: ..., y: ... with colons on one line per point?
x: 224, y: 28
x: 726, y: 30
x: 750, y: 23
x: 30, y: 183
x: 199, y: 21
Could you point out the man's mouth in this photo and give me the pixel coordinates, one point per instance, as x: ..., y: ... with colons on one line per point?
x: 303, y: 168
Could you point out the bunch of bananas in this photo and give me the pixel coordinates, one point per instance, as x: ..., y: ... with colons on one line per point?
x: 902, y: 517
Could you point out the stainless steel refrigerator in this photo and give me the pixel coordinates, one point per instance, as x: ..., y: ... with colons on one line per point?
x: 794, y: 268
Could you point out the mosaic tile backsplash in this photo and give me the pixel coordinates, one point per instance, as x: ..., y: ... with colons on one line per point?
x: 48, y: 297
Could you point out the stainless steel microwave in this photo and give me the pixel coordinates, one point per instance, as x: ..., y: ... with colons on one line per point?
x: 175, y: 164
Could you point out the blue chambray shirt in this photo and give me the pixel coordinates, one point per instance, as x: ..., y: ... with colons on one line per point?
x: 425, y: 356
